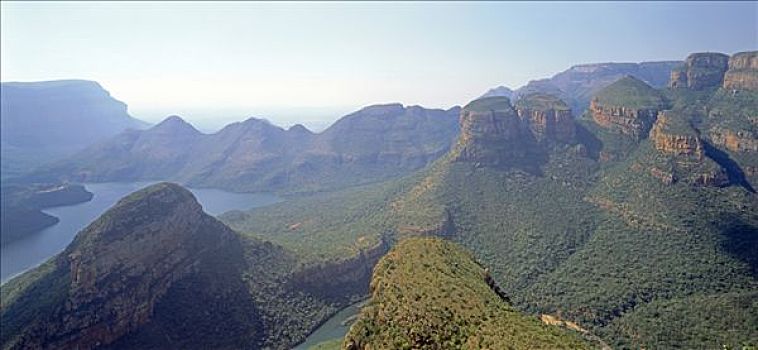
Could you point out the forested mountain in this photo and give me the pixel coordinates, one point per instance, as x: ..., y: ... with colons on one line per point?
x: 43, y: 121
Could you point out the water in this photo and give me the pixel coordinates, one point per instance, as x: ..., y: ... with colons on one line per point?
x: 36, y: 248
x: 334, y: 328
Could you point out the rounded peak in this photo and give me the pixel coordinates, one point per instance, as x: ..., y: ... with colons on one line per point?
x: 494, y: 103
x: 630, y: 92
x: 163, y: 191
x: 175, y: 122
x: 542, y: 101
x: 299, y: 128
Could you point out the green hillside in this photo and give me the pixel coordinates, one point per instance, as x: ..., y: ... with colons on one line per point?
x: 428, y: 293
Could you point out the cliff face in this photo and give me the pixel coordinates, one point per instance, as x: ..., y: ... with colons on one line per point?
x: 628, y: 106
x: 735, y: 141
x: 672, y: 136
x: 700, y: 70
x: 635, y: 122
x: 491, y: 134
x: 743, y: 72
x: 547, y: 117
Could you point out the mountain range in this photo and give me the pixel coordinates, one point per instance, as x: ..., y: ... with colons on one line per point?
x: 630, y: 225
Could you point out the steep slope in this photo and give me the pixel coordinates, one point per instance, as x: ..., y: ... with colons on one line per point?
x: 700, y: 71
x: 428, y: 293
x: 501, y: 91
x: 42, y: 121
x: 578, y: 84
x: 374, y: 143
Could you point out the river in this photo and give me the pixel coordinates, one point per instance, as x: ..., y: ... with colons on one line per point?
x: 34, y: 249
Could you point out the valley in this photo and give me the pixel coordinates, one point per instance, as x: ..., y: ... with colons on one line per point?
x: 633, y: 219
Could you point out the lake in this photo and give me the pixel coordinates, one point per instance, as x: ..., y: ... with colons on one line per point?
x: 335, y: 327
x: 34, y: 249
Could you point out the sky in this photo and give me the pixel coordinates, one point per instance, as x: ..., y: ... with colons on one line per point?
x: 214, y: 63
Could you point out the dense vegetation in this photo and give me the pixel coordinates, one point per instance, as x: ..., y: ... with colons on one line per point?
x: 630, y: 92
x: 428, y: 293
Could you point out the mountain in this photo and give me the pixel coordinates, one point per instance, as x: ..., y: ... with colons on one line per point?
x: 501, y: 91
x: 43, y: 121
x: 374, y: 143
x: 579, y: 83
x: 653, y: 247
x: 156, y: 272
x: 429, y: 293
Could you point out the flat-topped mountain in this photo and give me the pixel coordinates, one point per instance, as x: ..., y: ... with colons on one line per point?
x: 374, y: 143
x: 700, y: 70
x: 578, y: 84
x: 743, y: 71
x: 42, y: 121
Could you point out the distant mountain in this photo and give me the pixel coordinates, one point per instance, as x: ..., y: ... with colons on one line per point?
x: 43, y: 121
x: 579, y: 83
x: 500, y: 91
x: 374, y: 143
x: 429, y: 293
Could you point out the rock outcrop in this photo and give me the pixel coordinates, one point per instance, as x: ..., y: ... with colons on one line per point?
x: 547, y: 117
x: 743, y: 72
x: 685, y: 155
x: 628, y: 106
x: 672, y: 135
x: 492, y: 134
x: 735, y: 141
x: 700, y: 71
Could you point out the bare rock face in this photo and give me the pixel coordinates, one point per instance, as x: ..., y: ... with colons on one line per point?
x: 628, y: 106
x: 547, y: 117
x: 671, y: 135
x: 735, y: 141
x: 700, y: 70
x: 492, y: 134
x: 684, y: 151
x: 743, y: 72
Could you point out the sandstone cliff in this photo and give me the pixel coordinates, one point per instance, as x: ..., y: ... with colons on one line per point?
x: 700, y: 70
x: 547, y: 117
x: 672, y: 135
x: 743, y: 72
x: 628, y: 106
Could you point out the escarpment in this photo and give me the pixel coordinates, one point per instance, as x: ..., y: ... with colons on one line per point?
x: 671, y: 135
x: 547, y: 117
x: 743, y: 72
x: 700, y: 71
x: 495, y: 133
x: 628, y: 106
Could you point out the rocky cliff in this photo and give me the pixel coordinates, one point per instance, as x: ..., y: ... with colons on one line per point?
x: 628, y: 106
x: 547, y: 117
x: 492, y: 134
x: 743, y: 71
x: 672, y: 135
x: 700, y: 70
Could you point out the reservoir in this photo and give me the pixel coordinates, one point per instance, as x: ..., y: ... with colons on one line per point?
x: 34, y: 249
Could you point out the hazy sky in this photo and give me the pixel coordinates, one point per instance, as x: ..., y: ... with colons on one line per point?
x: 315, y: 61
